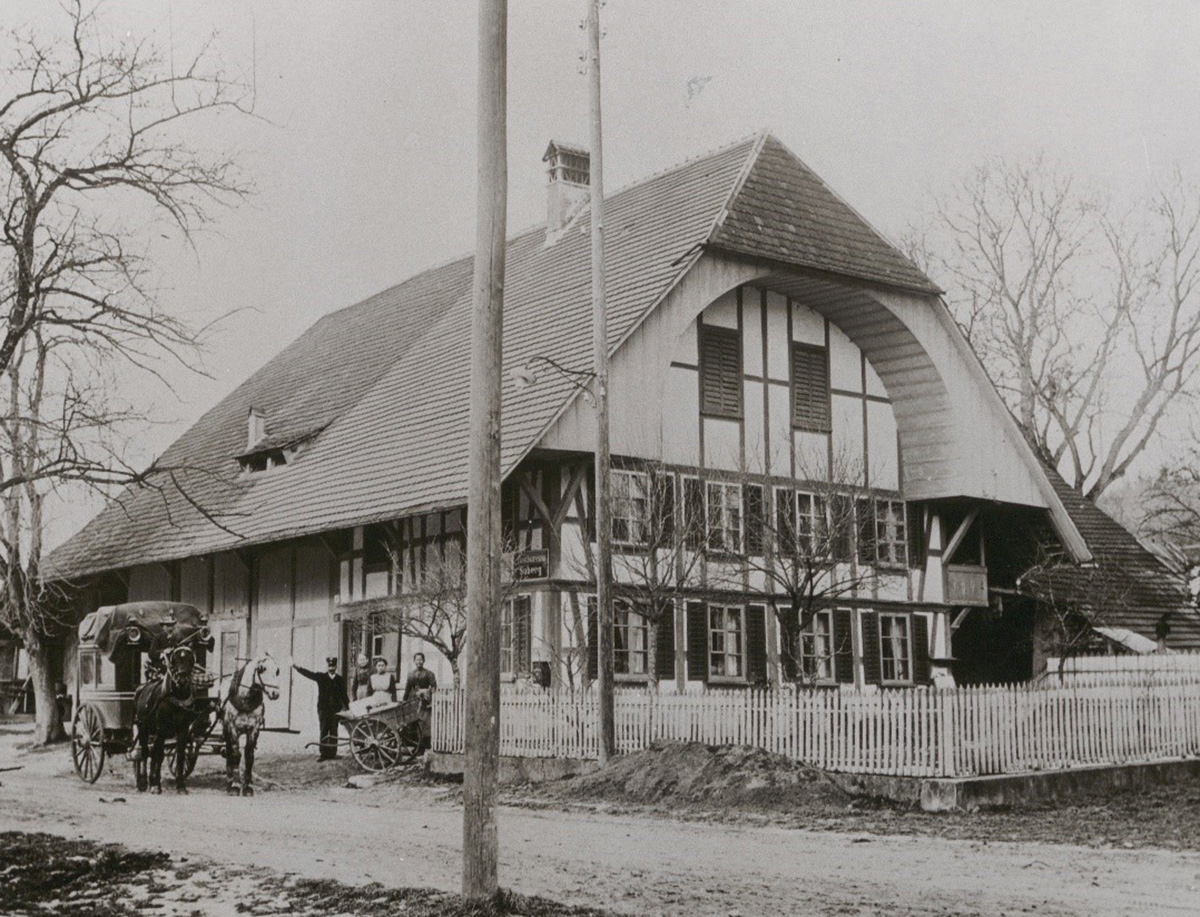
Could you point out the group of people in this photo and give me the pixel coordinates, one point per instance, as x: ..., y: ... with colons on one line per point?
x: 372, y: 686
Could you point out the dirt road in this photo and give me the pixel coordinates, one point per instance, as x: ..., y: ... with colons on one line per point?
x: 404, y: 836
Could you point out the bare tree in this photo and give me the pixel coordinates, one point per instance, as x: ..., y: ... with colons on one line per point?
x: 1072, y: 601
x: 1088, y: 324
x: 659, y: 556
x: 90, y: 140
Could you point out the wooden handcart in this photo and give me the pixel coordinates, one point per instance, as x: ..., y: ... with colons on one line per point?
x: 386, y: 736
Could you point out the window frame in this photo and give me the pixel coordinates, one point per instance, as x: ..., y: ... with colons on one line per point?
x: 628, y: 608
x: 738, y: 614
x: 888, y: 644
x: 508, y: 646
x: 642, y: 521
x: 807, y: 649
x: 725, y: 487
x: 825, y: 424
x: 734, y: 337
x: 895, y: 546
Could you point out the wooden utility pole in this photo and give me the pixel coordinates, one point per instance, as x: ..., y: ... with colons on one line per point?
x: 480, y: 841
x: 604, y: 609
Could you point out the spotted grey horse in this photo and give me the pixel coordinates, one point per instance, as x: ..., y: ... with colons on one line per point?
x: 242, y: 718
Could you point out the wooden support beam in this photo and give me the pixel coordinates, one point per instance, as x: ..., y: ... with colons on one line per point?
x: 959, y: 534
x: 958, y: 619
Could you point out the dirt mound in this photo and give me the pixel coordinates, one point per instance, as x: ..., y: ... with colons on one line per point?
x: 690, y: 773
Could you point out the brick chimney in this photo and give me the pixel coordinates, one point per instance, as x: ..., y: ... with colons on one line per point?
x: 567, y: 191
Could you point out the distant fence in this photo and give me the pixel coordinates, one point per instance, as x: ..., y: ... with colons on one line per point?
x: 916, y: 732
x: 1123, y: 668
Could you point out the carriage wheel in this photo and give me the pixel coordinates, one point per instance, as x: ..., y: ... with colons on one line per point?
x: 191, y: 750
x: 375, y: 744
x: 87, y: 744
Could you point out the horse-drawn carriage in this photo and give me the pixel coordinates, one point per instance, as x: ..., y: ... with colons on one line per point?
x: 141, y: 689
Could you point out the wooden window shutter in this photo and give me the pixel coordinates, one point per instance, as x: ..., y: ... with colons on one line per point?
x: 914, y: 523
x: 522, y: 635
x: 755, y: 519
x: 864, y: 515
x: 695, y: 525
x: 593, y: 640
x: 789, y: 631
x: 662, y: 525
x: 720, y: 372
x: 664, y: 661
x: 842, y: 508
x: 697, y: 641
x: 843, y: 645
x: 756, y: 644
x: 810, y: 388
x: 920, y: 649
x: 872, y: 664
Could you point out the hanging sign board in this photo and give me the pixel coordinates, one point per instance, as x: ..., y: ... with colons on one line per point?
x: 531, y: 565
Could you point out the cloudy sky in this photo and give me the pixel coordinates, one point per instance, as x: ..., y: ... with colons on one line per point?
x: 364, y: 159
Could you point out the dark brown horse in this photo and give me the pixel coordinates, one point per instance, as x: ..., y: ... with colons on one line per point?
x: 165, y: 709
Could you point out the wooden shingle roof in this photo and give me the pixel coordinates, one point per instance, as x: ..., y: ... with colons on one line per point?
x: 387, y: 380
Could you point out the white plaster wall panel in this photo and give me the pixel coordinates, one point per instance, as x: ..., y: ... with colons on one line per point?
x: 277, y: 640
x: 307, y: 644
x: 781, y: 430
x: 722, y: 444
x: 807, y: 326
x: 193, y: 583
x: 574, y: 554
x: 149, y: 583
x: 723, y: 311
x: 681, y: 417
x: 883, y: 446
x: 875, y: 385
x: 845, y: 361
x: 752, y: 350
x: 892, y: 586
x: 812, y: 456
x: 756, y: 450
x: 274, y: 585
x: 777, y: 339
x: 686, y: 348
x: 933, y: 586
x: 848, y: 437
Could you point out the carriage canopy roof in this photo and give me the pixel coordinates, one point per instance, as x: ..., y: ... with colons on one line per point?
x: 146, y: 626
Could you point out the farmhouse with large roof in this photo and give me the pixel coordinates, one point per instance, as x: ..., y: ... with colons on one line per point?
x: 764, y: 338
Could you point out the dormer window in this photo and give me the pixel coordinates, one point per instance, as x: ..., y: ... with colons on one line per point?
x: 266, y: 451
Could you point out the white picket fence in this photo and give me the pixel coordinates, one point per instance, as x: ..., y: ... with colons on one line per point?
x: 917, y: 732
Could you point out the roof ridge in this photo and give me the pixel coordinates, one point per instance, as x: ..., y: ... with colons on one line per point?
x: 520, y: 234
x: 760, y: 141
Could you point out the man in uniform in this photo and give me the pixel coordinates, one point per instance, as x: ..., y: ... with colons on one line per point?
x: 331, y: 700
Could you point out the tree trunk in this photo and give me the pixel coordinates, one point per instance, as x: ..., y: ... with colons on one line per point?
x: 652, y: 656
x: 456, y: 676
x: 48, y: 725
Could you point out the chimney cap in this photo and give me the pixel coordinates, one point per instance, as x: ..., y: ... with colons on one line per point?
x: 557, y: 147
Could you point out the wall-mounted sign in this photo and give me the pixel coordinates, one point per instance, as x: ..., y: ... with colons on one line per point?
x: 530, y: 565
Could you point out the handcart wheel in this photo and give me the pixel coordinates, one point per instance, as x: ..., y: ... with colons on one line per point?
x: 410, y: 742
x: 375, y: 744
x: 87, y: 744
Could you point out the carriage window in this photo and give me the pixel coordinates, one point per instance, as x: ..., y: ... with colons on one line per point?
x: 87, y: 668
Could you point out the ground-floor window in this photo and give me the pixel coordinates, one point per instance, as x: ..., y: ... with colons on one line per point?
x: 895, y: 648
x: 515, y: 633
x: 726, y: 641
x: 630, y: 641
x: 816, y: 648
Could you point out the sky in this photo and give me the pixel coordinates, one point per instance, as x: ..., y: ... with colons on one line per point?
x: 363, y: 151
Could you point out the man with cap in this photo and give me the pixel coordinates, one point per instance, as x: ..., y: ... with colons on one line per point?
x: 331, y: 700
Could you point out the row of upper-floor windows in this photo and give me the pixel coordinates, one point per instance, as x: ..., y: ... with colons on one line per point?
x: 731, y: 517
x: 721, y: 379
